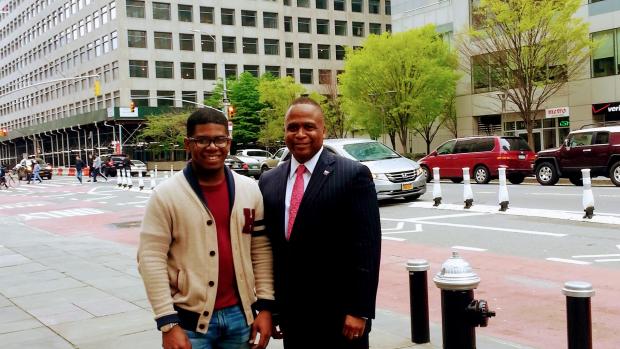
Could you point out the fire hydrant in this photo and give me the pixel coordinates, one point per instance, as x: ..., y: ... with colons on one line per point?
x: 460, y: 312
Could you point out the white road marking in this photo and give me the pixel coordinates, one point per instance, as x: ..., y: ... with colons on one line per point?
x: 607, y: 260
x: 519, y: 231
x: 101, y: 198
x: 571, y: 261
x: 458, y: 215
x: 596, y: 255
x: 22, y: 205
x: 391, y: 238
x: 399, y: 226
x: 556, y: 194
x: 60, y: 213
x: 418, y: 229
x: 469, y: 248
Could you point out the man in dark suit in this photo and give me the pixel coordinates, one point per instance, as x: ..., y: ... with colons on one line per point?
x: 322, y: 215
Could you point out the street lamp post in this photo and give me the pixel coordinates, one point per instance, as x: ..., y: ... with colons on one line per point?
x: 502, y: 97
x: 225, y: 101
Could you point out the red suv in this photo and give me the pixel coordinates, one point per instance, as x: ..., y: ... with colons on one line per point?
x: 483, y: 156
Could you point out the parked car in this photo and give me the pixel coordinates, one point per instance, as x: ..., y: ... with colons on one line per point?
x: 24, y: 167
x: 258, y: 154
x: 138, y: 166
x: 253, y: 165
x: 272, y: 161
x: 595, y: 148
x: 393, y: 174
x: 484, y: 156
x: 236, y: 165
x: 111, y: 163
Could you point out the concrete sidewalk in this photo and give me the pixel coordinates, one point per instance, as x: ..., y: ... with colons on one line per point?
x: 80, y: 292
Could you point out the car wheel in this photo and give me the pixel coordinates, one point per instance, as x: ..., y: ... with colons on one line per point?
x: 456, y: 180
x: 482, y: 175
x: 412, y: 197
x: 49, y: 176
x: 427, y: 173
x: 546, y: 174
x: 264, y: 169
x: 516, y: 178
x: 576, y: 180
x: 614, y: 174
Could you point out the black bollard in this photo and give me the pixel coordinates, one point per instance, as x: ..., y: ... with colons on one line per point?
x: 578, y: 314
x: 418, y: 300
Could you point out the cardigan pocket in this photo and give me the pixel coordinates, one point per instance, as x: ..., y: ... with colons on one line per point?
x: 182, y: 282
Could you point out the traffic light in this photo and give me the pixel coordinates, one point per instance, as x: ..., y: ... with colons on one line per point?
x: 132, y: 106
x: 231, y: 111
x: 97, y: 88
x: 3, y: 132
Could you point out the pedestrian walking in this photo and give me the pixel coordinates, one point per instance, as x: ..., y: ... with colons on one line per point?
x: 127, y: 166
x: 79, y: 166
x: 204, y: 257
x: 322, y: 215
x: 2, y: 177
x: 97, y: 169
x: 36, y: 171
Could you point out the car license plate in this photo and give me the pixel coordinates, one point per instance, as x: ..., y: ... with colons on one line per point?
x: 407, y: 186
x: 521, y: 156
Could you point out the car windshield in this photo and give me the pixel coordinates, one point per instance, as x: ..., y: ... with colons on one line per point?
x: 370, y: 151
x: 514, y: 143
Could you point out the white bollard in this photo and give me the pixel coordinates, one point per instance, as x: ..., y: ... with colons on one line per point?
x: 140, y: 180
x: 436, y: 187
x: 155, y: 170
x: 503, y: 190
x: 119, y: 179
x: 588, y: 197
x: 124, y: 180
x: 153, y: 183
x: 468, y: 195
x: 171, y: 170
x: 129, y: 181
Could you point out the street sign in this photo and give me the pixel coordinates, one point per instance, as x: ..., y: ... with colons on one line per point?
x: 225, y: 100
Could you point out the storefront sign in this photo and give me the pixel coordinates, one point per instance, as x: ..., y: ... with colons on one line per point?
x: 606, y: 108
x: 564, y: 123
x: 557, y: 112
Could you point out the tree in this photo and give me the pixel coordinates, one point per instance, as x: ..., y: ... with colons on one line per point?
x: 165, y: 132
x: 277, y: 95
x: 525, y: 50
x: 398, y: 81
x: 336, y: 121
x: 244, y: 97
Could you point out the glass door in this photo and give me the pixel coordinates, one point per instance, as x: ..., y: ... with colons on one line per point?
x: 537, y: 138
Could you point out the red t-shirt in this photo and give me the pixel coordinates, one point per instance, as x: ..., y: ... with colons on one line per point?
x: 218, y: 203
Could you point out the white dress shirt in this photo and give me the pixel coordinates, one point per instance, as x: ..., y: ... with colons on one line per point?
x: 310, y: 165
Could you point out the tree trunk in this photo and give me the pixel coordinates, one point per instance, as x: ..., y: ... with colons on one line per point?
x: 392, y: 135
x: 428, y: 147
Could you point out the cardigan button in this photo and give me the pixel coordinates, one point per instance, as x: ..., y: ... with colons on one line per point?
x: 211, y: 283
x: 201, y: 326
x: 212, y: 253
x: 209, y: 222
x: 206, y: 313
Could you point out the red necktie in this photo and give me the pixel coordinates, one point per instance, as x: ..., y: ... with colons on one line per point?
x: 296, y: 195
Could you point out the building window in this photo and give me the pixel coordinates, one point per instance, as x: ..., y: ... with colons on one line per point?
x: 373, y: 6
x: 207, y: 43
x: 340, y: 28
x: 340, y: 52
x: 322, y: 26
x: 388, y: 28
x: 163, y: 41
x: 165, y: 98
x: 305, y: 50
x: 188, y: 99
x: 250, y: 45
x: 388, y: 7
x: 186, y: 42
x: 270, y: 20
x: 140, y: 97
x: 228, y: 16
x: 325, y: 76
x: 135, y: 8
x: 185, y: 13
x: 138, y: 69
x: 374, y: 28
x: 603, y: 58
x: 356, y: 6
x: 252, y: 69
x: 357, y: 28
x: 323, y: 51
x: 230, y: 70
x: 339, y: 5
x: 164, y: 70
x: 305, y: 76
x: 303, y: 25
x: 286, y: 2
x: 248, y: 18
x: 303, y: 3
x: 288, y: 49
x: 272, y: 47
x: 206, y: 14
x: 209, y: 71
x: 321, y: 4
x: 188, y: 70
x: 273, y: 70
x: 136, y: 38
x: 288, y: 24
x: 161, y: 11
x: 290, y: 72
x: 229, y: 44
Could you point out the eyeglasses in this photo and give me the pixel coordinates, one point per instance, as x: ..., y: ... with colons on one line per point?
x: 203, y: 142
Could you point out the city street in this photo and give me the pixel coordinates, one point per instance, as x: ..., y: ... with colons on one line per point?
x: 523, y: 257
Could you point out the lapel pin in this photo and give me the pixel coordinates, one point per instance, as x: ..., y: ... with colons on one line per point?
x: 325, y: 173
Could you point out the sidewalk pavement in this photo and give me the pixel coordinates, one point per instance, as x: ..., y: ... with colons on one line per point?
x: 60, y: 292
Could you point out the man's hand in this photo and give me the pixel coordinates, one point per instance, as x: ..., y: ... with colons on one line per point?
x: 353, y: 327
x: 263, y: 325
x: 176, y: 339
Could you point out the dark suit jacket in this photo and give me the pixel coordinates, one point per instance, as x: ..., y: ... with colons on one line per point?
x: 330, y: 265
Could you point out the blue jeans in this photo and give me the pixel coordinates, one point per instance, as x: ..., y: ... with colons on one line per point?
x: 228, y: 329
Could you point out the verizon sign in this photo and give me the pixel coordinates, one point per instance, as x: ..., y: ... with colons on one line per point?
x: 557, y: 112
x: 606, y: 108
